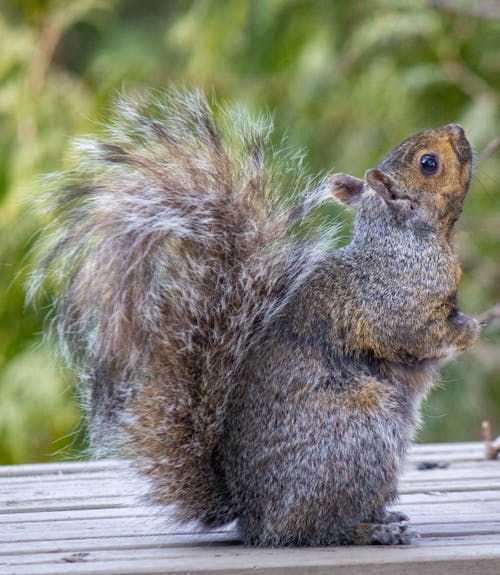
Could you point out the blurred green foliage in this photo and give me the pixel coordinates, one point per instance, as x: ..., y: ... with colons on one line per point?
x: 345, y: 80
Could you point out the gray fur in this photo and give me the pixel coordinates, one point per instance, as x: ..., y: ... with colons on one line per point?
x: 250, y: 374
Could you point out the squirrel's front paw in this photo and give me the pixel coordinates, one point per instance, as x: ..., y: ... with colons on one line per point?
x: 468, y: 332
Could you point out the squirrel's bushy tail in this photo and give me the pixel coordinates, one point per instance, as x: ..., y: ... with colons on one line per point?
x: 171, y: 255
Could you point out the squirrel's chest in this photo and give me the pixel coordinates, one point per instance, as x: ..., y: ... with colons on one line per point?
x: 409, y: 271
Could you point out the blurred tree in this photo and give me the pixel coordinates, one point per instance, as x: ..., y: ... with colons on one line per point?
x: 345, y: 80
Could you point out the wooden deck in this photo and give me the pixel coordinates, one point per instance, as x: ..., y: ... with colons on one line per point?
x: 87, y: 518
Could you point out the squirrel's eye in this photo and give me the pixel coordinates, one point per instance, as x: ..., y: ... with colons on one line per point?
x: 429, y: 164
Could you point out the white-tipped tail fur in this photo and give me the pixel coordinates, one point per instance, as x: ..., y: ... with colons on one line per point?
x: 171, y: 250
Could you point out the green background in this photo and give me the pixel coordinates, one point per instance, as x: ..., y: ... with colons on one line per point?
x: 345, y: 80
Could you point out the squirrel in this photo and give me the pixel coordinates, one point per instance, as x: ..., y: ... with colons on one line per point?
x: 253, y: 372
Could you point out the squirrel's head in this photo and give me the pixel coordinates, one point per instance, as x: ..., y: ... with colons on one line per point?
x: 423, y: 179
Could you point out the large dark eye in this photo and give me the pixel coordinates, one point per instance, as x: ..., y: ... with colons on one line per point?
x: 429, y: 164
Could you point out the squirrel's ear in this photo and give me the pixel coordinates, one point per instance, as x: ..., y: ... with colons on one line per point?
x: 381, y: 183
x: 346, y: 189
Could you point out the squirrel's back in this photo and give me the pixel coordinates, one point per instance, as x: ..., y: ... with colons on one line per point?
x: 172, y: 253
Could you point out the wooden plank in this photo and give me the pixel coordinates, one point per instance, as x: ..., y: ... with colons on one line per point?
x: 84, y: 476
x: 473, y: 532
x: 450, y: 451
x: 109, y: 489
x: 56, y: 517
x: 451, y: 485
x: 450, y: 496
x: 418, y: 558
x: 99, y: 527
x: 444, y: 531
x: 123, y: 485
x: 63, y: 503
x: 66, y: 467
x: 67, y: 515
x: 117, y: 542
x: 428, y: 547
x: 483, y: 510
x: 130, y: 483
x: 460, y: 529
x: 56, y: 503
x: 87, y: 528
x: 89, y: 518
x: 488, y: 470
x: 452, y: 448
x: 108, y: 502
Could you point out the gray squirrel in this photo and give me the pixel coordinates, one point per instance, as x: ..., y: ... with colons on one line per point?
x: 251, y: 372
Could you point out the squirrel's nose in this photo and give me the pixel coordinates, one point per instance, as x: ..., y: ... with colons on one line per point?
x: 460, y: 143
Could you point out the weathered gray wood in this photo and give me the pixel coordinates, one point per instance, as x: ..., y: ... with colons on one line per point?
x: 90, y: 518
x: 423, y: 559
x: 59, y: 519
x: 31, y: 469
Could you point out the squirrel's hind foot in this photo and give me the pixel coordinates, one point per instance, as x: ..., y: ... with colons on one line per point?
x: 395, y: 533
x: 394, y: 517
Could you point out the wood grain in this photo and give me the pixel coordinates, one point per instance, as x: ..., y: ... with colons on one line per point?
x: 91, y: 518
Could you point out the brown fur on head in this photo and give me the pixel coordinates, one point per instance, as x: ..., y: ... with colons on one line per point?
x: 427, y: 174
